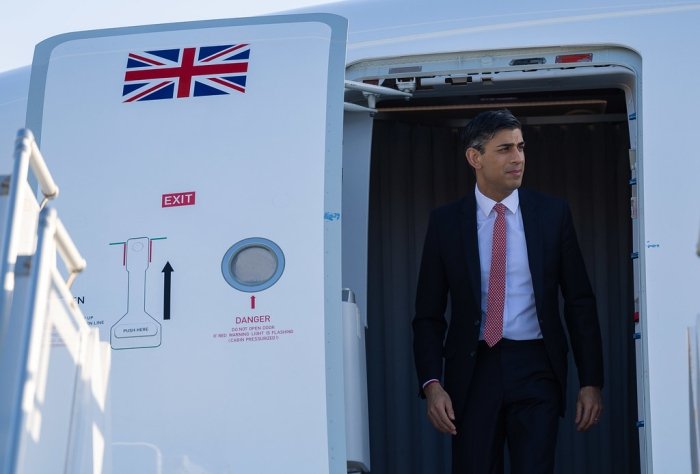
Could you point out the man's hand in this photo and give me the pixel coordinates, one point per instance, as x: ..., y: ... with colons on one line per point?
x: 589, y: 407
x: 440, y: 411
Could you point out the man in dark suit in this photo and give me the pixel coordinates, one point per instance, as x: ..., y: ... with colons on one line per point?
x: 502, y: 254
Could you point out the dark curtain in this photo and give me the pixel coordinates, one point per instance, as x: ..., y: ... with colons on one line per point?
x: 416, y: 168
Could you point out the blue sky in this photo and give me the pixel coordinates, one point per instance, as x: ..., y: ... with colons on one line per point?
x: 25, y: 23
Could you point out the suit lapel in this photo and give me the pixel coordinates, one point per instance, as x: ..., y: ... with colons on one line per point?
x: 471, y: 241
x: 533, y: 239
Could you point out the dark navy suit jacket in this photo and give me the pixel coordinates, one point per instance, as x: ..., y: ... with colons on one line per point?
x: 450, y: 265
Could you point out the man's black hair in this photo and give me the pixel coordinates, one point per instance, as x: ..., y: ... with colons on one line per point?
x: 484, y: 126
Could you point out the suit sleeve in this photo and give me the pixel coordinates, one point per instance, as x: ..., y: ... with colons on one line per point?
x: 580, y: 311
x: 429, y: 324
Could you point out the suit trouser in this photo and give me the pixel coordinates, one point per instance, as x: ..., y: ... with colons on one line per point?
x: 514, y: 397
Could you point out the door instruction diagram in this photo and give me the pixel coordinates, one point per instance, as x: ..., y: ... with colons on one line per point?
x: 136, y: 329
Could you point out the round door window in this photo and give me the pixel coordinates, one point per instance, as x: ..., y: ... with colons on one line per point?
x: 253, y: 264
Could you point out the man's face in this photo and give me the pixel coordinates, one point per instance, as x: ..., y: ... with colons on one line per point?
x: 500, y: 168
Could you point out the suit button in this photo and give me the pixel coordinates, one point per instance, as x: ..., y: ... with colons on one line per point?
x: 472, y: 353
x: 541, y: 321
x: 477, y: 322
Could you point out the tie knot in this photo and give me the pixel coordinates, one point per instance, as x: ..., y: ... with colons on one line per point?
x: 500, y: 209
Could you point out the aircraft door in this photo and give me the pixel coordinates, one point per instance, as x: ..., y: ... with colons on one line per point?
x: 204, y: 197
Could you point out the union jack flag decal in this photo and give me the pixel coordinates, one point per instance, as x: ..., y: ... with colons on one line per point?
x: 186, y: 72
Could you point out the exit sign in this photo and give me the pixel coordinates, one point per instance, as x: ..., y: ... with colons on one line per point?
x: 178, y: 199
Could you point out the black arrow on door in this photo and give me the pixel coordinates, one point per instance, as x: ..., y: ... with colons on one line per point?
x: 167, y: 271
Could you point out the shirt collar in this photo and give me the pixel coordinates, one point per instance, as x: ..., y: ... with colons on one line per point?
x: 486, y: 204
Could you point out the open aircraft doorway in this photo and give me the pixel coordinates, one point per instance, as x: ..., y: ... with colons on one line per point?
x: 579, y: 124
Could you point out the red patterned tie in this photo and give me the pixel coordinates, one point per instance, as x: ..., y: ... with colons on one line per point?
x: 493, y: 329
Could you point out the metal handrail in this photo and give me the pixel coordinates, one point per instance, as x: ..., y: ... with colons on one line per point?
x: 24, y: 300
x: 26, y: 155
x: 377, y: 90
x: 75, y: 263
x: 51, y: 237
x: 371, y: 93
x: 26, y: 144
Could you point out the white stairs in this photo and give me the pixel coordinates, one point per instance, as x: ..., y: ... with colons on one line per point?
x: 53, y: 368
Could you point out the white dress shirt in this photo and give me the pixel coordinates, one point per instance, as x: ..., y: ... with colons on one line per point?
x: 519, y: 314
